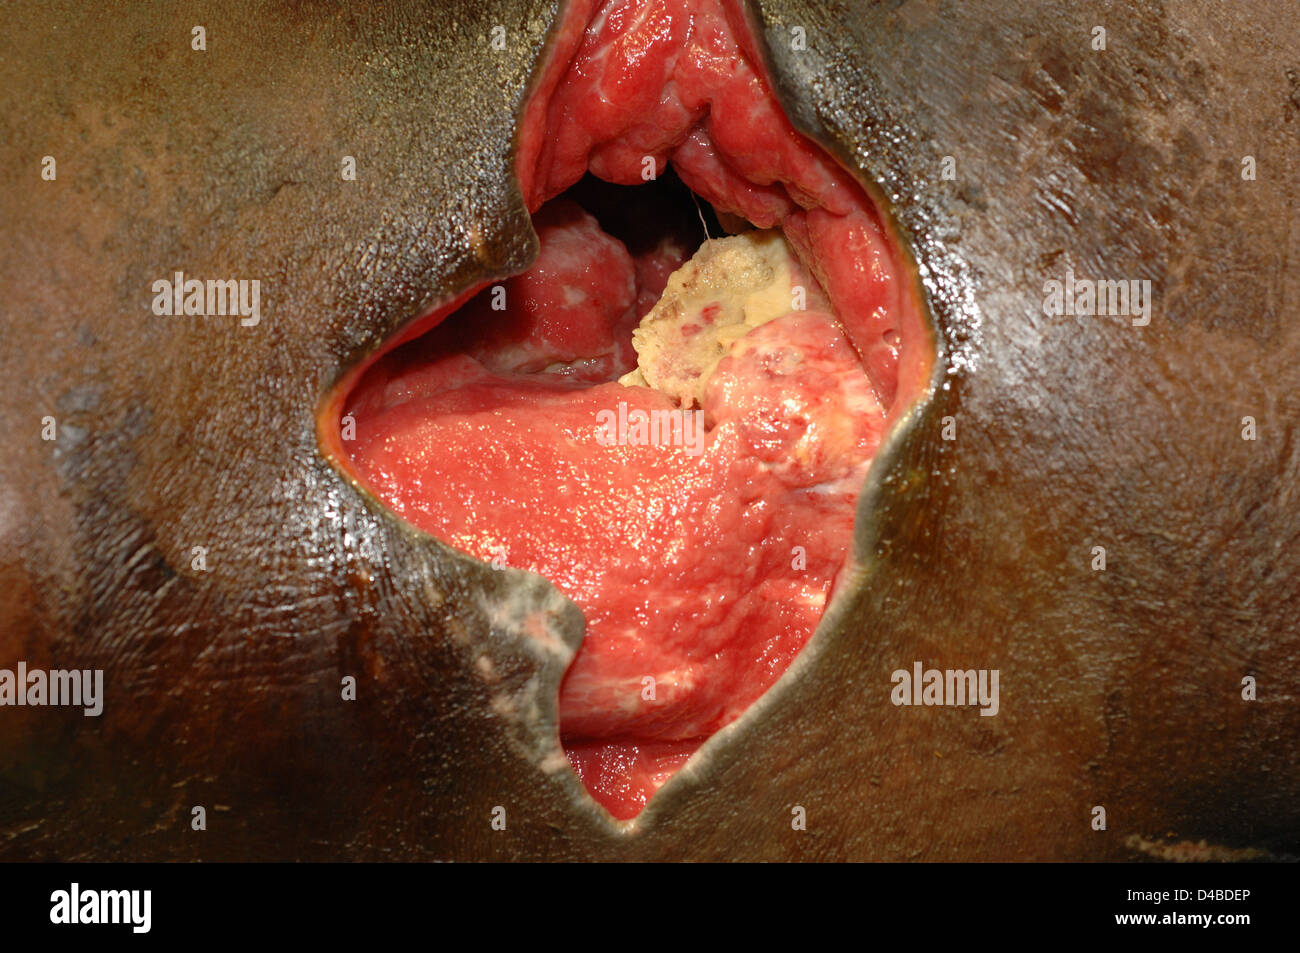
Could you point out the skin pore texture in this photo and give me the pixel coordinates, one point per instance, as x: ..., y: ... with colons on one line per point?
x: 223, y: 686
x: 703, y: 568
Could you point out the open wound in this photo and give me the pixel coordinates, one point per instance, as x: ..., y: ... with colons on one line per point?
x: 671, y: 413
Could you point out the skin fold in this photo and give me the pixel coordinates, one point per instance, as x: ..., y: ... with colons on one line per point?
x: 1118, y: 688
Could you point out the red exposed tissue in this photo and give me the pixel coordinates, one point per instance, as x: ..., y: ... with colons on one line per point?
x: 705, y: 568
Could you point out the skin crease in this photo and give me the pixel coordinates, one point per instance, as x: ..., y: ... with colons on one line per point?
x: 1118, y: 688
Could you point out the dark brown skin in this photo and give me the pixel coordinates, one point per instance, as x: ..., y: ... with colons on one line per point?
x: 1118, y: 688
